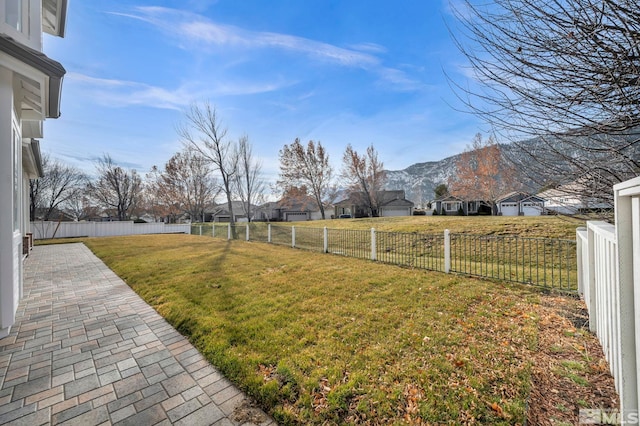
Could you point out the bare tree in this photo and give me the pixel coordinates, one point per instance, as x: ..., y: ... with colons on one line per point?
x: 186, y: 184
x: 81, y: 207
x: 482, y: 173
x: 203, y: 132
x: 306, y: 168
x: 565, y: 72
x: 59, y: 185
x: 364, y: 176
x: 248, y: 183
x: 115, y: 189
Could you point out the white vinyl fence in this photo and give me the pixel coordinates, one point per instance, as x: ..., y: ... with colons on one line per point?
x: 609, y: 281
x: 43, y: 230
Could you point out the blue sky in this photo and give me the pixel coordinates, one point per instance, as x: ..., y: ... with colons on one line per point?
x: 351, y: 71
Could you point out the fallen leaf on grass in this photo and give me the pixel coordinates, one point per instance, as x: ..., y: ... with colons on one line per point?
x: 495, y: 407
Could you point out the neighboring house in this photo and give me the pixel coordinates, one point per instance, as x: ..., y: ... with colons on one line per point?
x: 390, y: 203
x: 566, y: 199
x: 55, y: 214
x: 220, y: 213
x: 290, y: 210
x: 30, y: 89
x: 520, y: 204
x: 451, y: 205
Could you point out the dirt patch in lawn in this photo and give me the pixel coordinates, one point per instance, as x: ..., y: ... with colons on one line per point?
x: 570, y: 372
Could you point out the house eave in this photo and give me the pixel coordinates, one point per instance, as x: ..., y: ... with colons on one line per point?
x: 32, y: 159
x: 51, y: 69
x: 54, y: 19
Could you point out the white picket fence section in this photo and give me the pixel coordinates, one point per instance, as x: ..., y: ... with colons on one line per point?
x: 49, y: 229
x: 609, y: 281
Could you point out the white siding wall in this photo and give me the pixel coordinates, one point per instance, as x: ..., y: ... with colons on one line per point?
x: 9, y: 261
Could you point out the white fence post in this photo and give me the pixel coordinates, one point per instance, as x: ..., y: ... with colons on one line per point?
x: 627, y: 211
x: 447, y: 251
x: 579, y: 233
x: 325, y: 237
x: 247, y: 232
x: 293, y: 236
x: 374, y: 245
x: 229, y: 231
x: 269, y: 233
x: 200, y: 227
x: 591, y: 277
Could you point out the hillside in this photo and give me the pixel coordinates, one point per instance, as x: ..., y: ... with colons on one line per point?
x: 420, y: 179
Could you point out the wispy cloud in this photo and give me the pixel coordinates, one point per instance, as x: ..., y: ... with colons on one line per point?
x: 121, y: 93
x: 193, y: 31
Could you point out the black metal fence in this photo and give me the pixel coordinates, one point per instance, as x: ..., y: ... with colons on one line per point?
x: 544, y: 262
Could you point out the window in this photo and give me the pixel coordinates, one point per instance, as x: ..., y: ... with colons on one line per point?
x: 13, y: 14
x: 16, y: 15
x: 451, y: 206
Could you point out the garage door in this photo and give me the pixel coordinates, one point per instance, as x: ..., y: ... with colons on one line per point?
x: 297, y: 216
x: 532, y: 209
x: 509, y: 209
x: 387, y: 212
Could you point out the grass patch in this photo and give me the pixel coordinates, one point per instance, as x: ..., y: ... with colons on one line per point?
x: 524, y: 226
x: 320, y: 339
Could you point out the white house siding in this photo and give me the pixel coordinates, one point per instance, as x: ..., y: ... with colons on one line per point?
x: 29, y: 92
x: 10, y: 193
x: 317, y: 215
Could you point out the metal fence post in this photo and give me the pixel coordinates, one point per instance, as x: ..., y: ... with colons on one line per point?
x: 229, y: 231
x: 447, y: 251
x: 374, y: 251
x: 213, y: 229
x: 325, y: 234
x: 293, y: 236
x: 269, y: 233
x: 247, y: 232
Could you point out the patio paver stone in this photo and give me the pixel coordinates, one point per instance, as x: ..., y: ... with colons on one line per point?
x: 87, y: 350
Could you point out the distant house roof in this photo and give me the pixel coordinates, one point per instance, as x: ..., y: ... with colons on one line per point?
x: 385, y: 198
x: 514, y: 197
x: 397, y: 202
x: 448, y: 198
x: 299, y: 204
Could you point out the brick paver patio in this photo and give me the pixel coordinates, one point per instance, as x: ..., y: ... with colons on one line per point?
x: 86, y: 350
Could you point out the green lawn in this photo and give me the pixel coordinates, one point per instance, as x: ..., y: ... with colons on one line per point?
x: 538, y: 250
x: 321, y: 339
x: 524, y: 226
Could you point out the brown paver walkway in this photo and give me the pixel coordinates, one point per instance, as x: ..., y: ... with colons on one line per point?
x: 86, y: 350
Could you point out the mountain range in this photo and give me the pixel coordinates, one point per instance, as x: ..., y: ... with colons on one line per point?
x: 539, y: 162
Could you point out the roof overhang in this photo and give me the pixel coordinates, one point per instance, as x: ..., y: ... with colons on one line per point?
x: 32, y: 159
x: 37, y: 83
x: 54, y: 17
